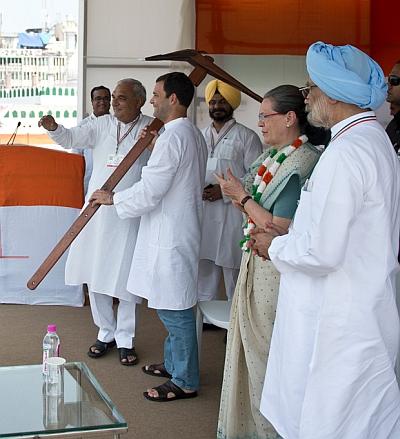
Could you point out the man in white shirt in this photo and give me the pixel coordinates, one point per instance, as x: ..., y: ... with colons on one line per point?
x: 165, y: 263
x: 102, y: 253
x: 331, y: 367
x: 230, y: 145
x: 100, y: 97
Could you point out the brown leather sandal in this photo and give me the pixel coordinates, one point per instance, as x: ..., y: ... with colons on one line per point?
x: 165, y: 389
x: 156, y: 370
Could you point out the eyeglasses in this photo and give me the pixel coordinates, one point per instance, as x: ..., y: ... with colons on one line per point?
x: 262, y: 116
x: 305, y: 91
x: 394, y: 80
x: 102, y: 98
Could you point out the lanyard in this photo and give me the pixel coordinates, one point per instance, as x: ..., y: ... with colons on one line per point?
x: 220, y: 137
x: 352, y: 124
x: 121, y: 139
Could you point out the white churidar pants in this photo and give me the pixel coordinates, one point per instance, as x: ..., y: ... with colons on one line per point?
x: 209, y: 279
x: 120, y: 327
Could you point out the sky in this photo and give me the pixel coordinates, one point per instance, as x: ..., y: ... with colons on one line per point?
x: 18, y: 15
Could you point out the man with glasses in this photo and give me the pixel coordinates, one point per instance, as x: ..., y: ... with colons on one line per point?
x: 393, y: 97
x: 102, y: 253
x: 100, y: 97
x: 331, y: 367
x: 101, y: 100
x: 230, y: 145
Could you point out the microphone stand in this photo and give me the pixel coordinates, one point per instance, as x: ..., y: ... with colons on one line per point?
x: 13, y: 135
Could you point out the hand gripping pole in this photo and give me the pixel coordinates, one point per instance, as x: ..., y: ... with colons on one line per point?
x: 203, y: 65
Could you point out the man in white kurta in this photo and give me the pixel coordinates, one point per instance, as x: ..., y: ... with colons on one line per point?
x: 230, y: 145
x: 101, y: 255
x: 100, y: 98
x: 165, y: 263
x: 331, y: 367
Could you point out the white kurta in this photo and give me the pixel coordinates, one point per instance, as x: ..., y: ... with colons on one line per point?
x: 222, y: 222
x: 102, y: 253
x: 330, y: 371
x: 169, y: 200
x: 87, y: 153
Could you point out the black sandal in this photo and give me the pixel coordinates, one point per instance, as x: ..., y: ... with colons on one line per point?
x: 102, y: 347
x: 156, y: 370
x: 169, y: 387
x: 124, y: 353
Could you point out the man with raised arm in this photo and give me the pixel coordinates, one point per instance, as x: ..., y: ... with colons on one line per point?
x: 101, y: 255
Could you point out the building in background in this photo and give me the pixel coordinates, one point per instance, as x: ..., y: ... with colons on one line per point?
x: 38, y: 76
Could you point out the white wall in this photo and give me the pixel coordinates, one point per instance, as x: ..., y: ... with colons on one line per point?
x: 116, y: 36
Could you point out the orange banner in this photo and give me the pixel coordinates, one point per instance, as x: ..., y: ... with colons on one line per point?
x: 260, y: 27
x: 288, y: 27
x: 33, y: 176
x: 279, y: 26
x: 385, y: 35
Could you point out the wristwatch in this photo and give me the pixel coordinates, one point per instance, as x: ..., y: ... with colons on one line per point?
x: 245, y: 200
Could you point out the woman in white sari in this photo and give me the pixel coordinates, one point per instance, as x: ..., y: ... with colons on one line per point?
x: 269, y: 192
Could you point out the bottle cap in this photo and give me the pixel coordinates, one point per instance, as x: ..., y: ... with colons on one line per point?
x: 52, y: 328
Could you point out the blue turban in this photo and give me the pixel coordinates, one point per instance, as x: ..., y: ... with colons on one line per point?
x: 346, y: 74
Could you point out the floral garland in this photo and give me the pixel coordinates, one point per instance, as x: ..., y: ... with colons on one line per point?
x: 265, y: 174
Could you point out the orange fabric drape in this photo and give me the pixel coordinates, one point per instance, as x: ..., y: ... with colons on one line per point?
x: 385, y: 32
x: 32, y: 176
x: 269, y: 27
x: 288, y: 27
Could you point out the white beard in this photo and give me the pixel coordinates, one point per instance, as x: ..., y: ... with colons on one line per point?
x: 318, y: 114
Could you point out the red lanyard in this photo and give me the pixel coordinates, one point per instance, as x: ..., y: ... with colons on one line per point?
x: 121, y: 139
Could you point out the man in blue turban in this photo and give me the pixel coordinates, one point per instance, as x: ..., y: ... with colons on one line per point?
x: 347, y: 74
x: 331, y: 368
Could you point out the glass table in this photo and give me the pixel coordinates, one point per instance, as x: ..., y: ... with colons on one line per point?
x: 84, y: 408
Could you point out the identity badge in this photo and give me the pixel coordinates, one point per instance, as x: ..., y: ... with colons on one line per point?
x: 212, y: 164
x: 113, y: 160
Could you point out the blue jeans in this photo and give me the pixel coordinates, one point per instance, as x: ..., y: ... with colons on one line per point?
x: 180, y: 347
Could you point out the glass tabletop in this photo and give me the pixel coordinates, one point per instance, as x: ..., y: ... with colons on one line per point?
x: 26, y: 409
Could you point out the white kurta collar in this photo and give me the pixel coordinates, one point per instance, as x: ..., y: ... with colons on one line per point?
x: 222, y: 131
x: 340, y: 125
x: 171, y: 123
x: 128, y: 125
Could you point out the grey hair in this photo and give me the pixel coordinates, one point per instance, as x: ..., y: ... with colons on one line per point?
x: 137, y: 87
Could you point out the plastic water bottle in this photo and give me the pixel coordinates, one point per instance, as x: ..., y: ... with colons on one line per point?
x: 51, y: 345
